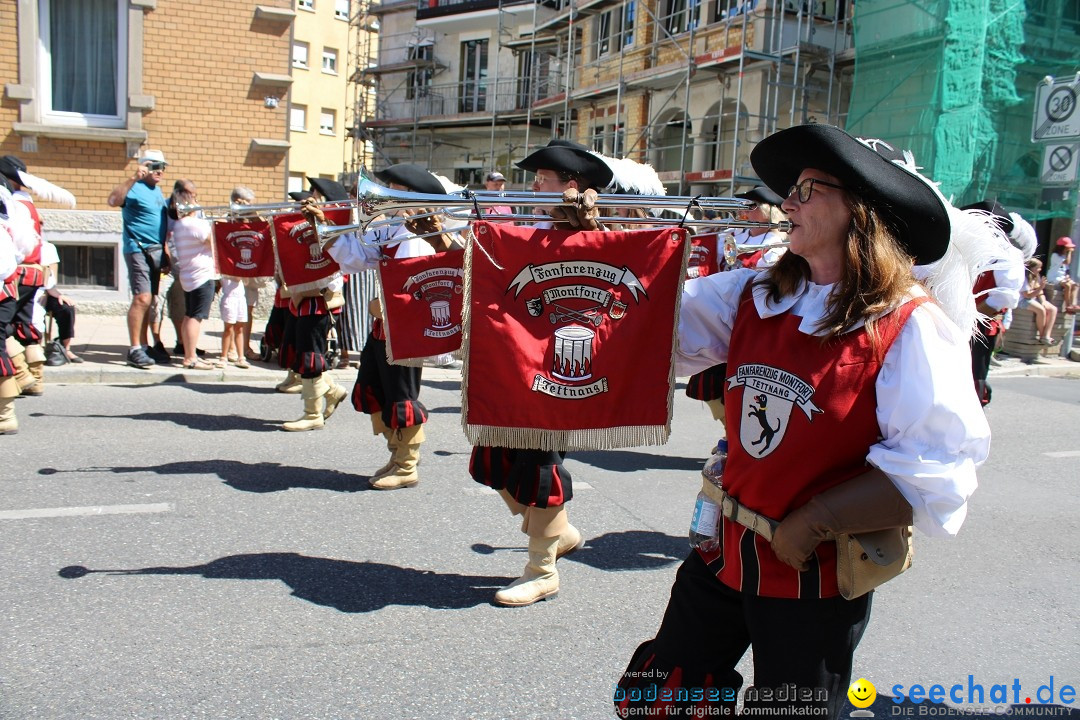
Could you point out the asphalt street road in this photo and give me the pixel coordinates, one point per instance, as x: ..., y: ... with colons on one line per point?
x: 169, y: 553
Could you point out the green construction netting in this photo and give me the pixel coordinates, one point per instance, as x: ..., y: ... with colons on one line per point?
x: 955, y: 82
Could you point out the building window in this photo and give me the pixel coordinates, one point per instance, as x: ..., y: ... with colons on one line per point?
x: 680, y: 15
x: 329, y: 61
x: 614, y: 30
x: 87, y: 266
x: 300, y: 55
x: 341, y: 10
x: 298, y: 118
x: 296, y: 182
x: 327, y: 120
x: 306, y: 5
x: 474, y: 70
x: 419, y: 81
x: 83, y: 58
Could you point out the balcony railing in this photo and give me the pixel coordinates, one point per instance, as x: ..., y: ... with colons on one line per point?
x: 503, y: 95
x: 441, y: 8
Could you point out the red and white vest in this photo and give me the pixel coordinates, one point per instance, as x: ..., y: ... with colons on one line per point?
x: 801, y: 417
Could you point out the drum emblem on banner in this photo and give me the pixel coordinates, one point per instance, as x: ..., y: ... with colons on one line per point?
x: 304, y: 234
x: 769, y: 394
x: 436, y: 287
x: 246, y: 243
x: 578, y: 309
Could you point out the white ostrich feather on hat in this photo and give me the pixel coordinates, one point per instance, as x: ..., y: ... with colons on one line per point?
x: 1023, y: 236
x: 47, y: 191
x: 976, y: 244
x: 632, y: 177
x: 451, y: 224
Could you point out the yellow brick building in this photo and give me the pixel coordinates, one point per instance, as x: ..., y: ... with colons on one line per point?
x: 204, y: 82
x: 318, y: 138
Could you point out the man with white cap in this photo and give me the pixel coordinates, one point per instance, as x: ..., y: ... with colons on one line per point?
x: 143, y: 207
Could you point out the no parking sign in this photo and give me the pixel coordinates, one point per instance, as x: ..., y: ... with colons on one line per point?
x: 1059, y: 164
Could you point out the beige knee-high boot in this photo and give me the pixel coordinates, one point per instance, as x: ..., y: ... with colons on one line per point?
x: 23, y: 377
x: 516, y: 508
x: 717, y: 408
x: 35, y: 363
x: 291, y: 385
x: 9, y: 390
x: 312, y: 391
x: 378, y: 427
x: 334, y: 396
x: 406, y: 458
x: 545, y: 527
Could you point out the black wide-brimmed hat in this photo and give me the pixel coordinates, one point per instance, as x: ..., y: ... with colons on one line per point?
x: 331, y: 190
x: 413, y: 177
x: 299, y: 195
x: 761, y: 194
x: 565, y: 156
x: 10, y: 165
x: 1001, y: 215
x: 871, y: 169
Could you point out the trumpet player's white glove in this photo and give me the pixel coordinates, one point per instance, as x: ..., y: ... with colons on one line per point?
x: 581, y: 215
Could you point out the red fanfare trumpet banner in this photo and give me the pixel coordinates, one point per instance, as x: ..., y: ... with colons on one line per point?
x: 304, y: 265
x: 421, y: 299
x: 570, y: 336
x: 703, y: 256
x: 244, y: 248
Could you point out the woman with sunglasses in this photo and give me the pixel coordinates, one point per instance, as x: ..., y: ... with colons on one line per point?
x: 849, y: 410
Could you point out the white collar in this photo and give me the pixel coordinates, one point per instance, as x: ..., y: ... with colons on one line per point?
x: 810, y: 302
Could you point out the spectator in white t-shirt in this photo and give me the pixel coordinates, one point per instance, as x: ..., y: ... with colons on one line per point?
x: 194, y: 258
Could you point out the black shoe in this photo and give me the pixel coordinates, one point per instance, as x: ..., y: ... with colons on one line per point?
x: 137, y: 357
x: 179, y: 350
x: 159, y: 354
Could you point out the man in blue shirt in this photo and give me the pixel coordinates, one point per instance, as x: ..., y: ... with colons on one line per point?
x: 143, y: 208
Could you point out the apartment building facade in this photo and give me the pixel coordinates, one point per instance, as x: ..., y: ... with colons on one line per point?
x: 320, y: 145
x: 686, y: 85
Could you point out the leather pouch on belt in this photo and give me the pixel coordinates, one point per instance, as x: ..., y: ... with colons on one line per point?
x: 334, y: 299
x: 867, y: 560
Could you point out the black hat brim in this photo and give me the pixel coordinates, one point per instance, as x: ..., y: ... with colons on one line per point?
x: 572, y: 159
x: 299, y: 195
x: 914, y: 210
x: 761, y: 194
x: 414, y: 177
x: 331, y: 190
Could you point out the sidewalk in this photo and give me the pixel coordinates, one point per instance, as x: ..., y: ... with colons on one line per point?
x: 102, y: 342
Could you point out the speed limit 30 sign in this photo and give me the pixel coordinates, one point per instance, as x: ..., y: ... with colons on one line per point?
x: 1056, y: 114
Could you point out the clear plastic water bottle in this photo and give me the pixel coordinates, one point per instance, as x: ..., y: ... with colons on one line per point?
x: 705, y: 525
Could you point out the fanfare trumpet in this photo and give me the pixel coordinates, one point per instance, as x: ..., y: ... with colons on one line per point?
x: 374, y: 200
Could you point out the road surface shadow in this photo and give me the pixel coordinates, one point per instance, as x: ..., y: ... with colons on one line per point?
x: 618, y: 551
x: 261, y: 477
x: 351, y: 587
x: 629, y: 461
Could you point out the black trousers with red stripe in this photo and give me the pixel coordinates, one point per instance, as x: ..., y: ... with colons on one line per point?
x: 310, y: 337
x: 982, y: 349
x: 23, y: 328
x: 7, y: 314
x: 391, y: 390
x: 536, y: 478
x: 707, y: 384
x: 802, y: 648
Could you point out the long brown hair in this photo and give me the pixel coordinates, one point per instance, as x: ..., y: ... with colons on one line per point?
x: 876, y: 274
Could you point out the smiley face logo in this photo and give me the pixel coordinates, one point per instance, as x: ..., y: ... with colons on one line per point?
x: 862, y: 693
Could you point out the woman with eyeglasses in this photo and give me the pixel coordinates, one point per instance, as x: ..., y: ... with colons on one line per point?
x: 848, y: 409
